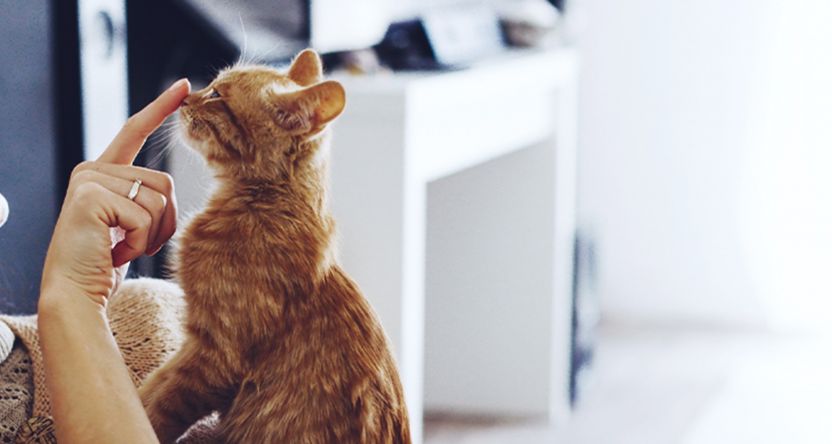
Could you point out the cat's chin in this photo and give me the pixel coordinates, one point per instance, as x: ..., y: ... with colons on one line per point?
x: 196, y: 145
x: 191, y: 130
x: 191, y: 138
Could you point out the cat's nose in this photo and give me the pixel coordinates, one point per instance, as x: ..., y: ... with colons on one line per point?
x: 190, y: 99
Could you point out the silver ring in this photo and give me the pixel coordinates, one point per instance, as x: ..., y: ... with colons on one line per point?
x: 134, y: 190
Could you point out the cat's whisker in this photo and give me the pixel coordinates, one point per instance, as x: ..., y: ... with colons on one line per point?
x: 245, y: 37
x: 169, y: 123
x: 165, y: 134
x: 161, y: 142
x: 215, y: 70
x: 266, y: 55
x: 154, y: 153
x: 167, y: 129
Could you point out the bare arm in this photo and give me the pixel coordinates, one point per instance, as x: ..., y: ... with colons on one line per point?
x: 92, y: 394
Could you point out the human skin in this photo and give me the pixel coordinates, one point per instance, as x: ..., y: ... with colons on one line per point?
x: 98, y: 232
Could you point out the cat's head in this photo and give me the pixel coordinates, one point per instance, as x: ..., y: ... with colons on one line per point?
x: 254, y: 116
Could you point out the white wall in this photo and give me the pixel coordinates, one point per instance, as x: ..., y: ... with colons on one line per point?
x: 691, y: 176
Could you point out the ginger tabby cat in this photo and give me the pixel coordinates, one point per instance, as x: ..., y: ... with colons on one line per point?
x: 280, y: 341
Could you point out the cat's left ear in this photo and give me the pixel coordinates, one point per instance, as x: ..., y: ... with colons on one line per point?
x: 306, y: 69
x: 310, y: 108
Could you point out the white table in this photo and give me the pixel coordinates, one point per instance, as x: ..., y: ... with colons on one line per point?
x: 482, y: 255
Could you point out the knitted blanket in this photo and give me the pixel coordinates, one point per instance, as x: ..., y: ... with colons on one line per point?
x: 146, y: 317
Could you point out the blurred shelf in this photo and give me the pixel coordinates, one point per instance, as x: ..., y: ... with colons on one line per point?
x: 401, y: 133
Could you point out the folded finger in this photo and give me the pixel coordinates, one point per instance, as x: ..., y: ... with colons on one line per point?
x: 152, y: 201
x: 136, y: 222
x: 156, y: 180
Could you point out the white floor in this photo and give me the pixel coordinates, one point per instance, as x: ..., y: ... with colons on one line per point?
x: 682, y: 386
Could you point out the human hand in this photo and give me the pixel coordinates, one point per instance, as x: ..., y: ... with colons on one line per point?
x: 100, y: 230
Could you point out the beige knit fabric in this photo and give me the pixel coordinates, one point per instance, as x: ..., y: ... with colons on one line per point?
x: 146, y: 317
x: 15, y: 393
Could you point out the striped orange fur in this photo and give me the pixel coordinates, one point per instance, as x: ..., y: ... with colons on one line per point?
x: 280, y: 340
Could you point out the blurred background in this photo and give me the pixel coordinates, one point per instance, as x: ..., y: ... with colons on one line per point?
x: 580, y: 221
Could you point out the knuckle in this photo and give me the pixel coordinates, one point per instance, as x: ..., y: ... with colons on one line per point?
x: 84, y: 176
x: 81, y: 167
x: 158, y: 202
x: 145, y: 220
x: 166, y: 183
x: 87, y: 193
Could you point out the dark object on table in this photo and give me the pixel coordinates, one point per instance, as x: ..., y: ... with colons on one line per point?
x: 406, y: 48
x: 530, y: 23
x: 358, y: 62
x: 444, y: 39
x: 463, y: 35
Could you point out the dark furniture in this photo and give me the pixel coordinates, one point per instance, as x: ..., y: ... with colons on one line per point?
x: 41, y: 130
x: 29, y: 156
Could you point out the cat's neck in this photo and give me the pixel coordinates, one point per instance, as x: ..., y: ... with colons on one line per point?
x: 288, y: 208
x: 298, y: 180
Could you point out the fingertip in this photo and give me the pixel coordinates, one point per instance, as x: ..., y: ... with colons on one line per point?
x: 176, y: 93
x: 180, y: 89
x: 183, y: 92
x: 182, y: 84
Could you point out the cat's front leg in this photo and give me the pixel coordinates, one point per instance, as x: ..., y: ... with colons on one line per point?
x: 181, y: 392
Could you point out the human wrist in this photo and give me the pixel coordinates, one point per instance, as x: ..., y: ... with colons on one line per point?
x: 59, y: 297
x: 68, y: 317
x: 63, y: 277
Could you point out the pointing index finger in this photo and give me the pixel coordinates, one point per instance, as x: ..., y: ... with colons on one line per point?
x: 127, y: 143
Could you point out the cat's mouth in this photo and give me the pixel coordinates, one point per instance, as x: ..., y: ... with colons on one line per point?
x: 192, y: 127
x: 185, y: 116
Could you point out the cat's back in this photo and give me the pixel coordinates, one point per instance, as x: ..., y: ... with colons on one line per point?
x: 338, y: 349
x: 357, y: 318
x: 366, y: 343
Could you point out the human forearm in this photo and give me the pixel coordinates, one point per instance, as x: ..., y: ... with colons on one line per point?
x: 83, y: 362
x: 113, y: 213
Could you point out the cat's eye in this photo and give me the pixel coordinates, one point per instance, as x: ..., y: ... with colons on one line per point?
x: 214, y: 94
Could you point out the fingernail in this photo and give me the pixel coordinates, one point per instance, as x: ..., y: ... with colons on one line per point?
x: 177, y: 84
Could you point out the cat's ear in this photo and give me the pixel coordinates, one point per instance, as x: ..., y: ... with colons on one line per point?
x: 310, y: 108
x: 306, y: 69
x: 329, y: 98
